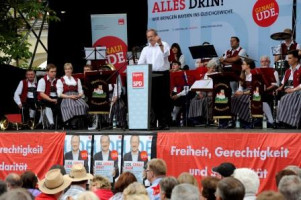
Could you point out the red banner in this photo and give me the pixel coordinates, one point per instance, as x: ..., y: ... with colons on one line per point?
x: 36, y: 152
x: 198, y: 153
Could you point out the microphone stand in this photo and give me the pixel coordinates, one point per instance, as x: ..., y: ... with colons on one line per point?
x: 117, y: 74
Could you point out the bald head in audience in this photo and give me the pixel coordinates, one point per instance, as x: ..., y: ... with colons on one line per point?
x: 13, y: 181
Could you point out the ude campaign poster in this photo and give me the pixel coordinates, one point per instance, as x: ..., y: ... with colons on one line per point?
x: 77, y: 149
x: 110, y: 31
x: 192, y: 22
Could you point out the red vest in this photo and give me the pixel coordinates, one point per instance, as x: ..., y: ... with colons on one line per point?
x: 23, y: 95
x: 69, y: 88
x: 236, y: 66
x: 296, y: 77
x: 48, y: 87
x: 284, y: 48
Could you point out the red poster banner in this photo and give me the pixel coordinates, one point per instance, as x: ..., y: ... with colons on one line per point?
x: 36, y: 152
x: 198, y: 153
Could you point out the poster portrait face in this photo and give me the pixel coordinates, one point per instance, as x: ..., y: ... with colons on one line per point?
x: 105, y: 143
x: 75, y: 140
x: 135, y: 140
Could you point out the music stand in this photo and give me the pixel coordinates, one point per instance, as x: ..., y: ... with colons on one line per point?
x: 203, y: 51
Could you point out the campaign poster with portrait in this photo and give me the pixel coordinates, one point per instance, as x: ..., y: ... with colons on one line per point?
x: 136, y: 153
x: 107, y: 156
x: 77, y: 149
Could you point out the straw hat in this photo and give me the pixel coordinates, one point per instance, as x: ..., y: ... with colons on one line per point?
x: 54, y: 182
x: 79, y: 173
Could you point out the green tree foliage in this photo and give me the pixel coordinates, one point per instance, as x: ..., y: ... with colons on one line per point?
x: 13, y: 28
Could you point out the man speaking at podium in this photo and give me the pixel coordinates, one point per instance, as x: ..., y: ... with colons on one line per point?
x: 156, y: 53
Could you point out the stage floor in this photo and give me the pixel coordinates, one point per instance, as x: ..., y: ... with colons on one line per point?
x: 171, y: 130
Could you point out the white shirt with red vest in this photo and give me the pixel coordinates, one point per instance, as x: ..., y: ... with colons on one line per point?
x: 242, y: 52
x: 298, y: 47
x: 68, y: 81
x: 19, y: 90
x: 42, y: 86
x: 291, y: 77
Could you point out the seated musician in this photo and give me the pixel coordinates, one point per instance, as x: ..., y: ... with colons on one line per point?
x: 25, y: 96
x: 178, y: 94
x: 289, y: 108
x: 287, y: 45
x: 240, y: 102
x: 232, y: 60
x: 71, y: 92
x: 47, y: 95
x: 269, y: 89
x: 202, y: 100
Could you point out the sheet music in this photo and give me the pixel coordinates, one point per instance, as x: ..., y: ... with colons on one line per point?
x: 203, y: 84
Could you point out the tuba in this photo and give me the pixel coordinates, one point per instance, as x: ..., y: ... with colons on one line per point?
x: 107, y: 67
x: 4, y: 124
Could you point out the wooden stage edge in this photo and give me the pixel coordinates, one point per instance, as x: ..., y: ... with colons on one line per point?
x: 172, y: 130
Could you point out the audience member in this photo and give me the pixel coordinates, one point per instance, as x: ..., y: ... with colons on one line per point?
x: 282, y: 173
x: 155, y: 171
x: 124, y: 180
x: 60, y: 167
x: 101, y: 186
x: 295, y: 169
x: 17, y: 194
x: 53, y: 185
x: 250, y: 180
x: 135, y: 191
x: 79, y: 177
x: 230, y: 189
x: 185, y: 177
x: 3, y: 187
x: 30, y: 180
x: 225, y: 169
x: 290, y: 187
x: 209, y: 185
x: 13, y: 181
x: 270, y: 195
x: 166, y: 186
x: 185, y: 191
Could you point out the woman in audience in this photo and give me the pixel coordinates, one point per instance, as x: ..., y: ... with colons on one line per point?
x: 124, y: 180
x: 30, y: 180
x: 209, y: 185
x: 71, y: 91
x: 176, y: 54
x: 250, y: 180
x: 135, y: 191
x: 185, y: 177
x: 101, y: 186
x: 166, y: 186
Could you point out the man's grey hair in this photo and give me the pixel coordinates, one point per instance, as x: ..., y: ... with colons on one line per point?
x: 265, y: 57
x: 295, y: 169
x: 290, y: 187
x: 214, y: 62
x: 20, y: 194
x: 249, y: 179
x: 185, y: 191
x: 13, y: 180
x: 230, y: 189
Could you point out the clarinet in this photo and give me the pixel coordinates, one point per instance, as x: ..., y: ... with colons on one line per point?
x: 274, y: 106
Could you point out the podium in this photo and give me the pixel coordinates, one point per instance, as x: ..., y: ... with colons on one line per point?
x: 257, y: 91
x: 222, y: 94
x: 139, y: 81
